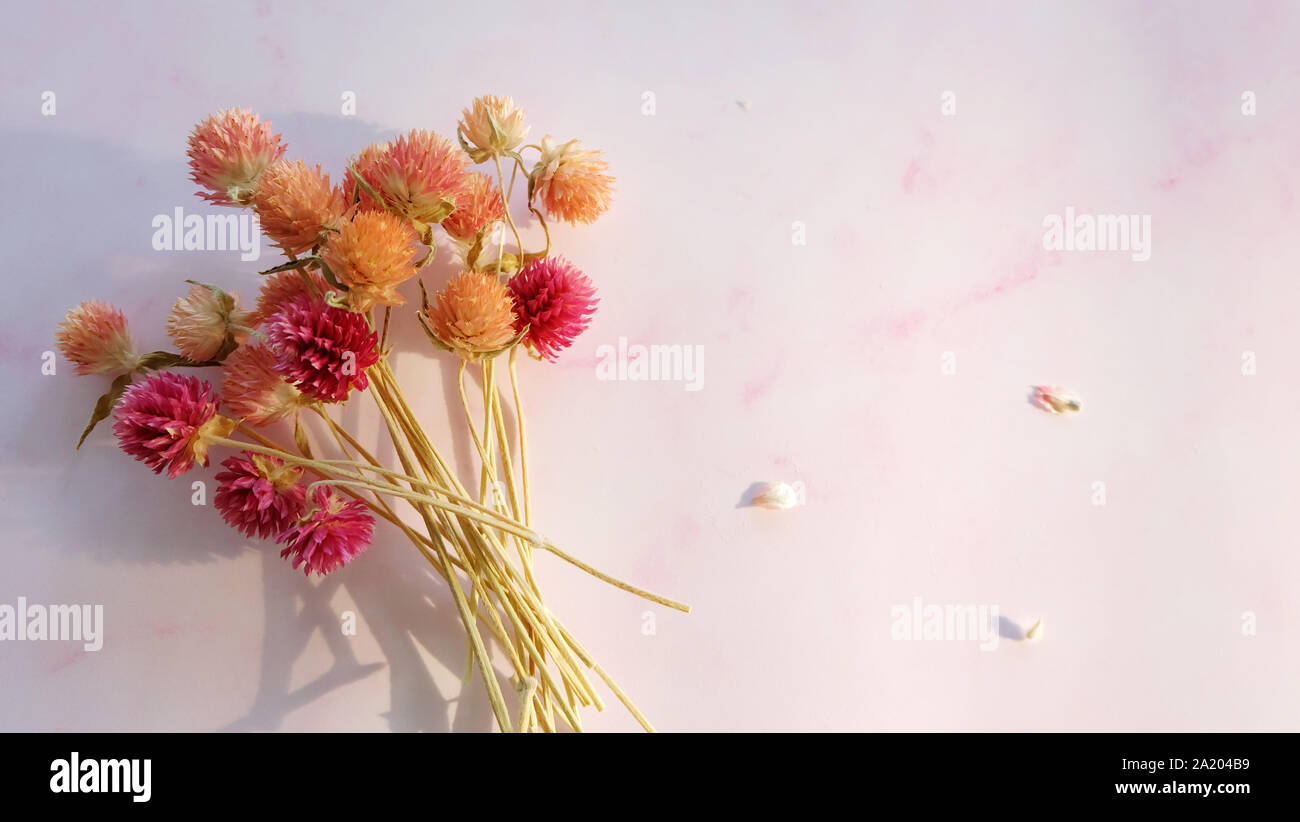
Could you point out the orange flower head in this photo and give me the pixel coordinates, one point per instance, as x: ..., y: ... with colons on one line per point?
x: 296, y: 204
x: 571, y: 182
x: 372, y: 254
x: 473, y: 315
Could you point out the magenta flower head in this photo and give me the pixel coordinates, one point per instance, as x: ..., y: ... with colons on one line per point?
x: 330, y: 535
x: 259, y: 495
x: 555, y: 300
x: 167, y: 422
x: 322, y: 350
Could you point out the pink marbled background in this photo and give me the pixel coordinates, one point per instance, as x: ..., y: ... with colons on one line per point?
x: 822, y: 362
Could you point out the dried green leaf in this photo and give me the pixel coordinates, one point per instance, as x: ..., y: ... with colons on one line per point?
x: 523, y: 332
x: 292, y: 264
x: 330, y: 277
x: 471, y: 256
x: 365, y: 186
x: 478, y: 155
x: 105, y: 404
x: 428, y: 258
x: 442, y: 212
x: 162, y: 360
x: 300, y: 437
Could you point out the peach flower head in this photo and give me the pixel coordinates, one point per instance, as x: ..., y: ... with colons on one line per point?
x: 228, y: 153
x: 571, y: 182
x: 95, y: 338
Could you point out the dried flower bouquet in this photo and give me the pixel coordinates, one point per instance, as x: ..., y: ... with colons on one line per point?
x: 318, y: 335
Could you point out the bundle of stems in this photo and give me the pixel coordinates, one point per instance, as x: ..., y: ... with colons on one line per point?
x: 469, y: 543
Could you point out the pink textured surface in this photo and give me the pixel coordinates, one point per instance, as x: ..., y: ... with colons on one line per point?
x: 822, y: 363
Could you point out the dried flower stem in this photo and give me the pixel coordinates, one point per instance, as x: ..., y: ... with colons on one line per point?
x: 507, y: 591
x: 505, y: 206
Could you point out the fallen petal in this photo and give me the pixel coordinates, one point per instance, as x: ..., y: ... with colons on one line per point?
x: 776, y: 496
x: 1056, y: 400
x: 1035, y: 632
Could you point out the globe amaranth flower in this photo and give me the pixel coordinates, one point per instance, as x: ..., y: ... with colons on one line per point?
x: 228, y: 153
x: 259, y: 495
x: 491, y: 126
x: 478, y: 204
x: 322, y: 350
x: 571, y: 182
x: 296, y: 205
x: 283, y: 286
x: 372, y: 254
x: 473, y: 315
x: 208, y: 321
x: 167, y: 422
x: 254, y: 390
x: 330, y: 535
x: 94, y: 337
x: 555, y: 301
x: 418, y: 175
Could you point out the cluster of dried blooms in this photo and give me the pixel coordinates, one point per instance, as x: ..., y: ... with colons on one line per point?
x: 317, y: 337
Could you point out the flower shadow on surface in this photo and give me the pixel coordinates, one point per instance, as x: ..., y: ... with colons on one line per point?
x: 141, y: 519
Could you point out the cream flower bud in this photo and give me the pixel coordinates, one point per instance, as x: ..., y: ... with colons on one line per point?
x: 490, y: 127
x: 776, y: 496
x: 207, y: 322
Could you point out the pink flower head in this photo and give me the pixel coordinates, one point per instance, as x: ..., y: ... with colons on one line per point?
x: 478, y: 205
x: 280, y: 288
x: 330, y: 535
x: 322, y: 350
x: 95, y: 338
x: 259, y: 495
x: 254, y: 390
x: 228, y: 153
x: 572, y: 182
x: 166, y: 422
x: 555, y: 300
x: 419, y: 175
